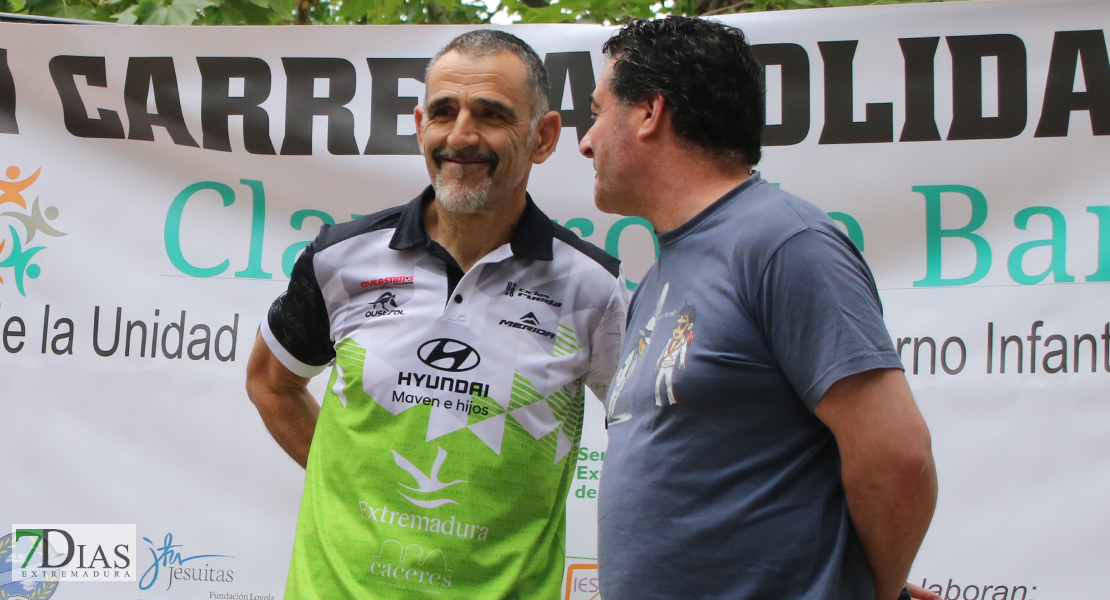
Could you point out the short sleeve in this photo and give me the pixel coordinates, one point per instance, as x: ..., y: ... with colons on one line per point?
x: 605, y: 340
x: 820, y: 312
x: 297, y: 329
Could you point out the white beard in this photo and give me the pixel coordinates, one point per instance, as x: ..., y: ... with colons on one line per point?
x: 458, y: 199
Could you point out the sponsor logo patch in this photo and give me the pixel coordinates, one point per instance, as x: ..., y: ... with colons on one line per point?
x: 446, y: 354
x: 85, y: 553
x: 173, y: 562
x: 398, y: 280
x: 530, y: 319
x: 528, y: 322
x: 512, y: 290
x: 386, y: 305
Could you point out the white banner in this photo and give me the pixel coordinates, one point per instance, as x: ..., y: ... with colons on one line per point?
x: 157, y: 182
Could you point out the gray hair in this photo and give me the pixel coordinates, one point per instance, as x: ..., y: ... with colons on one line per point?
x: 486, y: 42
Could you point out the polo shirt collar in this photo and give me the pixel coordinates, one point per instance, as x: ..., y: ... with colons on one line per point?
x: 531, y: 239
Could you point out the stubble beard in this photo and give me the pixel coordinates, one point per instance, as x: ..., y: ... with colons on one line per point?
x: 611, y: 192
x: 610, y: 199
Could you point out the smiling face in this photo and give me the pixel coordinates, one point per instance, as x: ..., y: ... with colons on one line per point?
x: 475, y: 131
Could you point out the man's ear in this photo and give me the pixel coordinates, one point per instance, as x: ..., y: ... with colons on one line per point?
x: 653, y: 116
x: 546, y: 137
x: 418, y: 116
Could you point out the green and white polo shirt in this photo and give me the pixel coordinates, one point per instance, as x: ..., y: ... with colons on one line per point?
x: 448, y: 436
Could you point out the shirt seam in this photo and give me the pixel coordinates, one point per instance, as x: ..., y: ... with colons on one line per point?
x: 858, y: 359
x: 716, y: 210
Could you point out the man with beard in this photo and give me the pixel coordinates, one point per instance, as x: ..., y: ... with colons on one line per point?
x: 790, y: 459
x: 441, y: 457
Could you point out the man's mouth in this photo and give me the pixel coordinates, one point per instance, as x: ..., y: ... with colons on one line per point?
x: 466, y: 157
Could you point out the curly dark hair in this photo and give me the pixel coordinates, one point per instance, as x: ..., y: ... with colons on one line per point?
x: 707, y: 74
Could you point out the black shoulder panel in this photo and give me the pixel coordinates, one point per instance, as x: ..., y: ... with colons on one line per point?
x: 333, y: 234
x: 299, y: 318
x: 603, y: 258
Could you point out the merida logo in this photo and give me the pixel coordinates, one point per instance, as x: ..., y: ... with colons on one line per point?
x: 529, y: 323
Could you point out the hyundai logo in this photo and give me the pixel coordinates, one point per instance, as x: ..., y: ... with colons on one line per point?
x: 446, y: 354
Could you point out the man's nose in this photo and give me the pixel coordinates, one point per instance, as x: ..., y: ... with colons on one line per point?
x: 586, y: 145
x: 464, y: 133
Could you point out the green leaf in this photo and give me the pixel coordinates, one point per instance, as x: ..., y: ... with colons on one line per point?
x: 180, y: 12
x: 282, y: 8
x: 354, y: 9
x: 127, y: 17
x: 67, y: 9
x: 238, y: 12
x: 264, y: 12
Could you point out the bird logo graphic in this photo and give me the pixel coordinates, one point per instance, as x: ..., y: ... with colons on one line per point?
x: 425, y: 484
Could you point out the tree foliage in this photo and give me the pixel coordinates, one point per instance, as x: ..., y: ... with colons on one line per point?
x: 323, y: 12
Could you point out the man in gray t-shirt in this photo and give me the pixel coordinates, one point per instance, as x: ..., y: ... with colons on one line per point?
x: 763, y: 442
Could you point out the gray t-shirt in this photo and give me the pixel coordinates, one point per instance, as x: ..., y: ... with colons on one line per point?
x: 719, y: 482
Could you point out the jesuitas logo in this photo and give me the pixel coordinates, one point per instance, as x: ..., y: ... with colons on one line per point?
x: 80, y: 553
x: 172, y: 559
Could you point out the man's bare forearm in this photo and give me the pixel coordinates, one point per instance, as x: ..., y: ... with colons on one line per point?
x: 287, y: 408
x: 887, y: 466
x: 891, y: 506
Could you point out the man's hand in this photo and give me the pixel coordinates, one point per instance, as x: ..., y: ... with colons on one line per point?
x: 887, y: 467
x: 283, y: 401
x: 919, y: 593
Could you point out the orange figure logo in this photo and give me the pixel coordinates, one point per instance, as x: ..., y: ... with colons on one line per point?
x: 11, y: 191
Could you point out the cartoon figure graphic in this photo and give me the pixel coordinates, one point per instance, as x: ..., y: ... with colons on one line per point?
x: 675, y: 353
x: 36, y: 221
x: 633, y: 358
x: 17, y: 257
x: 20, y: 260
x: 10, y: 191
